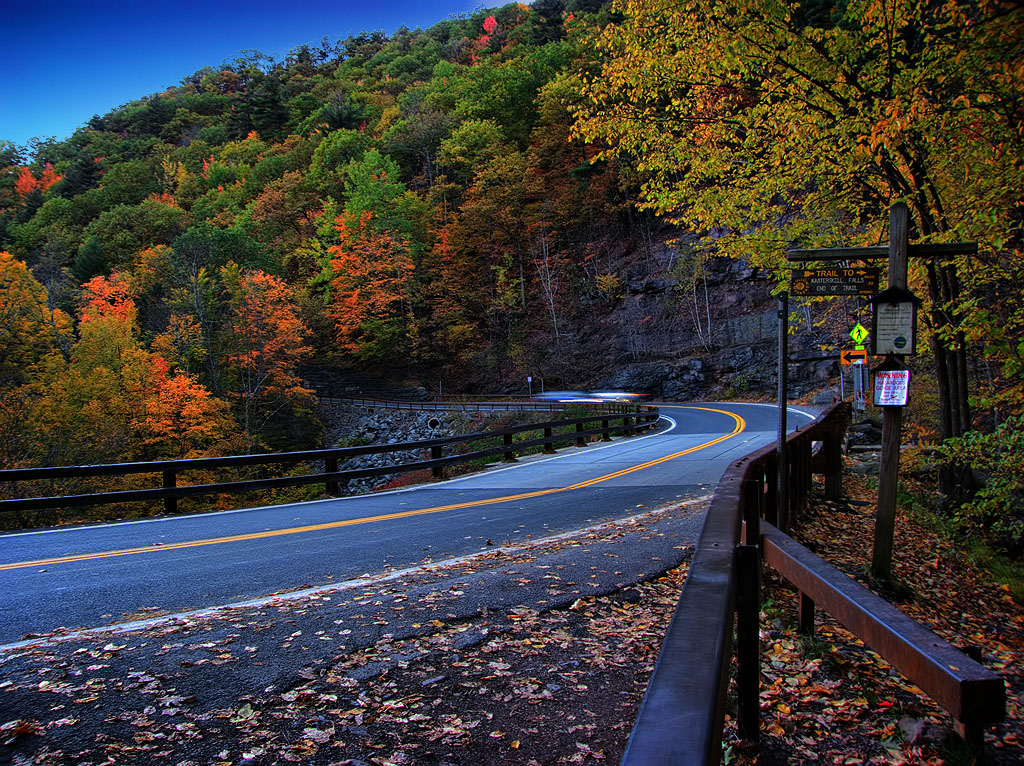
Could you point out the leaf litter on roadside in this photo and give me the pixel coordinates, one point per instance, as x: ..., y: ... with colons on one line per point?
x: 527, y: 685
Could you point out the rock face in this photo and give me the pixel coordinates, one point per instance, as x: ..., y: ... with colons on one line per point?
x: 665, y: 334
x: 346, y: 429
x: 712, y: 339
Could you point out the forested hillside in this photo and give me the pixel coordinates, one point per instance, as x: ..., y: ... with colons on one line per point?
x: 408, y: 204
x: 551, y: 190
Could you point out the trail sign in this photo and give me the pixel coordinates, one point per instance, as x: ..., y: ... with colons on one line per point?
x: 859, y: 333
x: 834, y: 281
x: 853, y: 356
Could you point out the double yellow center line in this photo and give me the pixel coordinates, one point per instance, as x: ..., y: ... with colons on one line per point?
x: 740, y: 425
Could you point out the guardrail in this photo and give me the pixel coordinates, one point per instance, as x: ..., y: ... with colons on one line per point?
x: 602, y: 424
x: 682, y: 716
x: 527, y: 405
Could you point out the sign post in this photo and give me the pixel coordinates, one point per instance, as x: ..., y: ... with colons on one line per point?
x: 892, y: 416
x: 894, y: 321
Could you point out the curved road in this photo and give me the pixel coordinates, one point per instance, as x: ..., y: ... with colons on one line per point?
x: 90, y: 576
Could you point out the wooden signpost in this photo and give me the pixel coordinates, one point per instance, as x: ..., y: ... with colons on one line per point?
x: 894, y: 334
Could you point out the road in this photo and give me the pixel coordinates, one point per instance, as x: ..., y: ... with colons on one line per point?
x: 105, y: 574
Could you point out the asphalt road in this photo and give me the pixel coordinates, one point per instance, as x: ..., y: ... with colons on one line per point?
x: 105, y: 574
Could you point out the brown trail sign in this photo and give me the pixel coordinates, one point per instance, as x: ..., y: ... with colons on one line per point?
x: 835, y: 281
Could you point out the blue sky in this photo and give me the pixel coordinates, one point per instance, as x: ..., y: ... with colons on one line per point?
x: 70, y: 59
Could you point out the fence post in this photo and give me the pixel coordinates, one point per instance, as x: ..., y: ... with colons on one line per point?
x: 605, y: 435
x: 549, y: 447
x: 805, y: 614
x: 579, y: 439
x: 438, y: 470
x: 331, y: 485
x: 510, y: 456
x: 170, y: 482
x: 748, y: 614
x: 832, y: 449
x: 800, y: 475
x: 806, y: 476
x: 771, y: 507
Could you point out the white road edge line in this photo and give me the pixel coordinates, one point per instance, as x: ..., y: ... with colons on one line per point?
x: 359, y: 582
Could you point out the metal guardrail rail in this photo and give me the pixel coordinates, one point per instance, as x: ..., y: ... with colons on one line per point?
x: 603, y: 424
x: 364, y: 404
x: 682, y: 716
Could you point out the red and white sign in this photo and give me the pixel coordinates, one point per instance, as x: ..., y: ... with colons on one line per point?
x: 892, y: 388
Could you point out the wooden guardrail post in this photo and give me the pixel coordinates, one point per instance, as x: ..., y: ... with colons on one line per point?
x: 438, y: 470
x: 605, y: 432
x: 832, y: 454
x: 331, y: 485
x: 580, y: 442
x: 800, y: 473
x: 748, y: 612
x: 510, y: 456
x: 771, y: 499
x: 549, y: 447
x: 170, y: 481
x: 805, y: 614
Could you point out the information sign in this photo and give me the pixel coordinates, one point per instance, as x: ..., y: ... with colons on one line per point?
x: 837, y: 281
x: 894, y: 328
x: 892, y: 388
x: 894, y: 321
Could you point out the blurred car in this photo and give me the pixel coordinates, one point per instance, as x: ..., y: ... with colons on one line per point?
x: 565, y: 396
x: 617, y: 396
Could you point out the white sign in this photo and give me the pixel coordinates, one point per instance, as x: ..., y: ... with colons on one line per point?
x: 892, y: 388
x: 894, y: 328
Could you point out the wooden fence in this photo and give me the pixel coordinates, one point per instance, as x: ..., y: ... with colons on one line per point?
x: 322, y: 464
x: 682, y: 716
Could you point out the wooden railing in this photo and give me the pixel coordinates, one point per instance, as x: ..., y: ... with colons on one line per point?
x: 606, y: 421
x: 682, y: 716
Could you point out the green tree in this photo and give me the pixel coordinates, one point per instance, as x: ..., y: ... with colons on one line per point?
x: 125, y: 230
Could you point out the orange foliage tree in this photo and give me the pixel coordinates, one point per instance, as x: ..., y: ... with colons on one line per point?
x: 27, y: 183
x: 266, y: 340
x: 116, y: 400
x: 182, y: 419
x: 371, y: 287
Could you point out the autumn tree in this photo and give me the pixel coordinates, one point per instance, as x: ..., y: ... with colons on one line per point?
x: 764, y: 125
x: 30, y: 329
x: 265, y: 344
x: 182, y: 419
x: 371, y: 290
